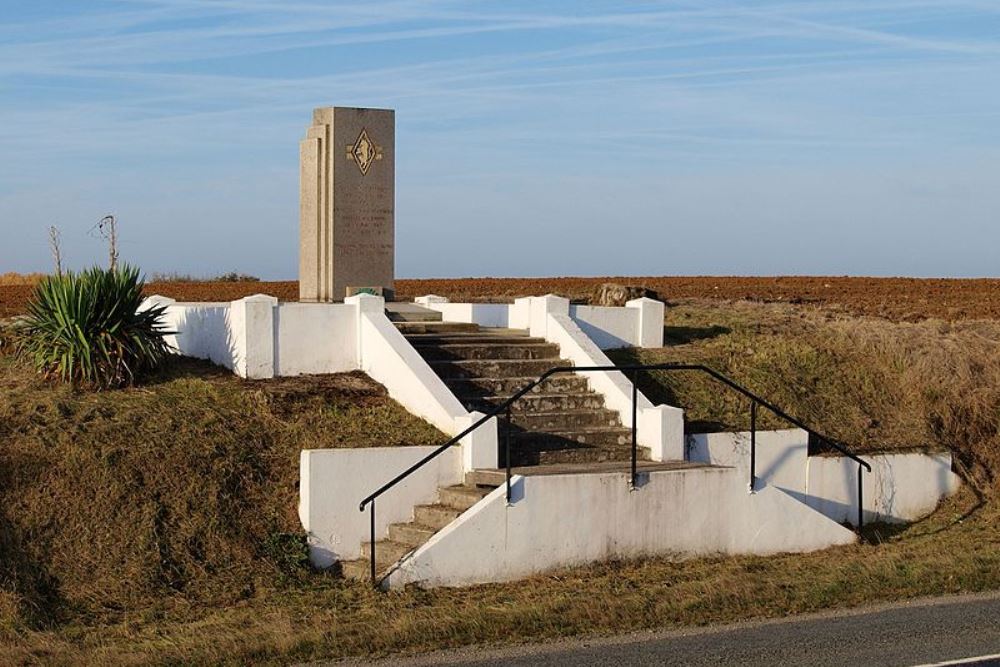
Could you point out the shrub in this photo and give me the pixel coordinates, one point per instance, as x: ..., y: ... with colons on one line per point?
x: 86, y: 328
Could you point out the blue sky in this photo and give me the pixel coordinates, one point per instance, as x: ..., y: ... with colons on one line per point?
x: 533, y: 138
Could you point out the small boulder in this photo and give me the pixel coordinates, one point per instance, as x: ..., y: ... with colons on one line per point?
x: 615, y: 294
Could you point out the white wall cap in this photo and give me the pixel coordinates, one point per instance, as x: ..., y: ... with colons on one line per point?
x: 430, y: 298
x: 638, y: 303
x: 155, y: 301
x: 260, y: 298
x: 555, y: 304
x: 367, y: 303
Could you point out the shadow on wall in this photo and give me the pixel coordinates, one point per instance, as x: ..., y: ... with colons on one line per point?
x: 205, y: 333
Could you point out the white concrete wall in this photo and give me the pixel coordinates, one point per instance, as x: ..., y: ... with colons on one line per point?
x: 638, y: 324
x: 483, y: 314
x: 901, y: 487
x: 781, y: 455
x: 558, y: 521
x: 387, y: 357
x: 660, y: 428
x: 203, y: 332
x: 257, y: 337
x: 312, y: 338
x: 608, y: 327
x: 333, y: 482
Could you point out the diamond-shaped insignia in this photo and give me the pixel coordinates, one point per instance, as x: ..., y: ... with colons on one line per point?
x: 364, y: 151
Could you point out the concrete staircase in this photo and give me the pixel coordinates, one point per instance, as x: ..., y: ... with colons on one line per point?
x: 560, y: 421
x: 405, y: 537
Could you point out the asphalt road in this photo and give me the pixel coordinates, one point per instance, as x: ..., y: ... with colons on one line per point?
x: 923, y: 632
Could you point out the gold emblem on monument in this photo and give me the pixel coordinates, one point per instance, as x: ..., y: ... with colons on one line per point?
x: 364, y: 151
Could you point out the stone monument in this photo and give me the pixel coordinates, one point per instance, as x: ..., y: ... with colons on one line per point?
x: 347, y: 204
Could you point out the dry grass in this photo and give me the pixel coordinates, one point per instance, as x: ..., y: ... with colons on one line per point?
x: 872, y: 383
x: 183, y: 492
x: 11, y: 278
x: 157, y: 526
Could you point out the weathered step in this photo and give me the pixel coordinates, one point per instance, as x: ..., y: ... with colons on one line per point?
x: 492, y: 368
x: 460, y: 351
x: 577, y: 454
x: 506, y: 386
x: 410, y: 312
x: 564, y: 419
x: 461, y: 497
x: 407, y: 328
x: 485, y: 478
x: 412, y: 534
x: 434, y: 516
x: 360, y: 568
x: 534, y: 402
x: 471, y: 337
x: 386, y: 551
x: 594, y: 436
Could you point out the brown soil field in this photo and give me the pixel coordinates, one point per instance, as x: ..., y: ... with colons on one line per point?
x: 896, y: 299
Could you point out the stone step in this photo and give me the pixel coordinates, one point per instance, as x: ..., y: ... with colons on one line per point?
x: 492, y: 368
x: 578, y: 454
x: 492, y: 350
x: 532, y: 402
x: 593, y: 436
x: 506, y: 386
x: 410, y: 312
x: 410, y: 533
x: 434, y: 516
x: 360, y: 568
x: 461, y: 497
x: 477, y: 337
x: 486, y: 478
x: 386, y: 551
x: 407, y: 328
x: 563, y: 419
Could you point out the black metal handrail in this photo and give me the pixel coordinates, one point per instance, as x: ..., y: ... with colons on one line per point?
x: 632, y: 372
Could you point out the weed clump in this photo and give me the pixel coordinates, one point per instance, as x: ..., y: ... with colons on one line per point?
x: 87, y: 329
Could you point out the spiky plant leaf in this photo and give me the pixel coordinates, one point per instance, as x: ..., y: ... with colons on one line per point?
x: 87, y: 329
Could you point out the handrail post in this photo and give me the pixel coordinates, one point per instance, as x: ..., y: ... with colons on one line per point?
x: 372, y: 544
x: 753, y: 445
x: 506, y: 438
x: 635, y: 425
x: 861, y: 500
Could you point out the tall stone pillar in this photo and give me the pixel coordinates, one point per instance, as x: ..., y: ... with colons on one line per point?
x: 347, y: 204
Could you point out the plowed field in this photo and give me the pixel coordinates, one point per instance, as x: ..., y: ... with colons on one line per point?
x: 899, y: 299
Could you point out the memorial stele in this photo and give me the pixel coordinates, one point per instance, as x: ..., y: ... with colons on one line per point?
x: 347, y: 204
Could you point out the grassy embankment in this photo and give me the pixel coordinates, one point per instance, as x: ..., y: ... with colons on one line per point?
x: 158, y: 524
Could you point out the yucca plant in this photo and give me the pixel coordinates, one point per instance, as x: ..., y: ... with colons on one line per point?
x: 86, y: 328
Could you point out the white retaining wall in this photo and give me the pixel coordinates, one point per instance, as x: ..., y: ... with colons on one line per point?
x: 559, y: 521
x: 387, y: 357
x: 257, y: 337
x: 901, y: 487
x: 333, y: 482
x: 310, y: 339
x: 638, y: 324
